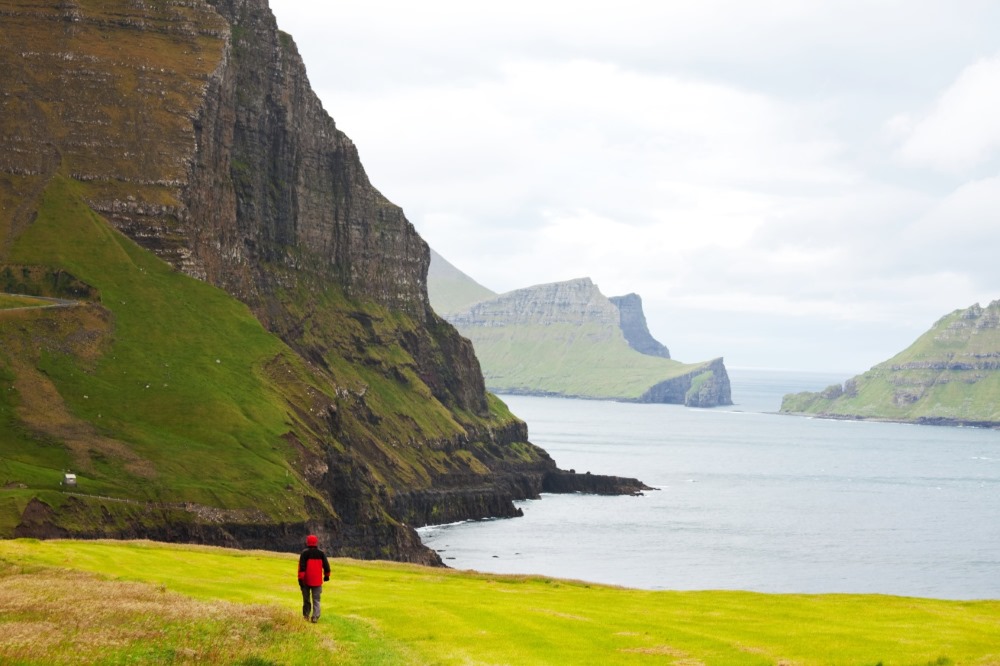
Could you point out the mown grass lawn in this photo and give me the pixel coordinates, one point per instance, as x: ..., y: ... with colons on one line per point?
x: 64, y: 602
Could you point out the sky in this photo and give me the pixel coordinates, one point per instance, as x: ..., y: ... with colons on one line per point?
x: 788, y: 185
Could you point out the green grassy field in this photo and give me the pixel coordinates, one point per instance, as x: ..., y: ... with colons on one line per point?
x: 64, y: 602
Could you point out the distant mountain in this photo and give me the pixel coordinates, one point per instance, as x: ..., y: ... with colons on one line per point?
x: 567, y: 338
x: 450, y: 289
x: 949, y: 376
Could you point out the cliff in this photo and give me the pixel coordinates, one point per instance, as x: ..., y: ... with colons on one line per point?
x: 568, y: 339
x: 948, y: 376
x: 632, y: 321
x: 249, y: 352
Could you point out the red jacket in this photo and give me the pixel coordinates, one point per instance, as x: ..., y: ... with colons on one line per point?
x: 313, y: 567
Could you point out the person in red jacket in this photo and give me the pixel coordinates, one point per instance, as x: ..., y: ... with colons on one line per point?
x: 313, y: 570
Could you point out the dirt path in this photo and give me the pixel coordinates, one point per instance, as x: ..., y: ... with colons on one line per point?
x: 52, y: 303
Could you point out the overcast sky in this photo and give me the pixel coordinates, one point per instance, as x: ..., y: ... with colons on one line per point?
x: 795, y: 185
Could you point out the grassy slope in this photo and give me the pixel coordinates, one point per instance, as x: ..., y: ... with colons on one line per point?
x: 568, y: 359
x: 888, y: 392
x: 451, y: 290
x: 178, y: 376
x: 220, y: 606
x: 170, y: 390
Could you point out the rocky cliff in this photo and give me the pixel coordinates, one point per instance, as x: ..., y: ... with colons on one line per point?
x: 632, y: 321
x: 332, y: 400
x: 567, y: 338
x: 948, y: 376
x: 571, y: 302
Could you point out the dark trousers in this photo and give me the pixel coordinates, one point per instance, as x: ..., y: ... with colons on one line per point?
x: 310, y: 600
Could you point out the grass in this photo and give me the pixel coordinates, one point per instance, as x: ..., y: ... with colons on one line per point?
x: 451, y: 290
x: 166, y: 363
x: 128, y: 602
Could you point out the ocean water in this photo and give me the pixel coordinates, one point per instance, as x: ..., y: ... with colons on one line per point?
x: 748, y: 499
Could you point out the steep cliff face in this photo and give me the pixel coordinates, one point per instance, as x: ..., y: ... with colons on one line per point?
x: 329, y: 398
x: 567, y: 338
x: 633, y: 324
x: 299, y: 208
x: 708, y: 386
x: 948, y: 376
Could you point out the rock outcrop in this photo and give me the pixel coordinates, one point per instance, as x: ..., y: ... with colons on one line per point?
x: 948, y: 376
x: 568, y: 339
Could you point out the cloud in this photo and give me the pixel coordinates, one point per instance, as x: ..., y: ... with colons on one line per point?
x: 960, y: 233
x: 549, y: 148
x: 739, y: 165
x: 961, y: 130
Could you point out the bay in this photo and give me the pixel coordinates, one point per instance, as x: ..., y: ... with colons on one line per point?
x: 748, y: 499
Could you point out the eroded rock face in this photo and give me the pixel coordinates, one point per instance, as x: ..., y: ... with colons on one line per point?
x: 295, y: 206
x: 296, y: 195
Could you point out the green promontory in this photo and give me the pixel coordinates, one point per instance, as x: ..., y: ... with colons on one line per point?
x: 568, y: 339
x: 949, y: 376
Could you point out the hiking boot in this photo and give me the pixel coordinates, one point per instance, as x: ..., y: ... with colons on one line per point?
x: 315, y: 620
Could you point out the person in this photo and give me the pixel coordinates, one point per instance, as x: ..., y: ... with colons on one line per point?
x: 314, y: 569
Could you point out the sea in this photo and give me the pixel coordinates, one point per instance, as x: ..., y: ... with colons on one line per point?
x: 748, y: 499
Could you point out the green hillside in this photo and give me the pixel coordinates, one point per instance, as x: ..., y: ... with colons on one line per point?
x: 588, y: 360
x: 164, y: 389
x: 172, y: 366
x: 950, y: 375
x: 67, y: 602
x: 568, y: 339
x: 450, y: 289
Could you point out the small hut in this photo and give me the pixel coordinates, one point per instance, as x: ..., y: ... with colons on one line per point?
x: 69, y: 479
